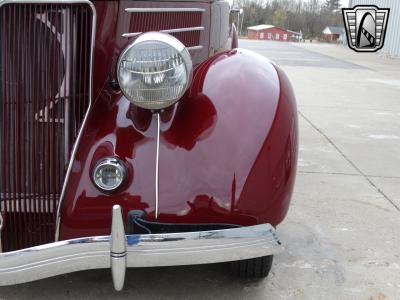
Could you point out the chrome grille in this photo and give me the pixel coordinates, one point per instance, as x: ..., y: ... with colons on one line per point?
x: 45, y: 53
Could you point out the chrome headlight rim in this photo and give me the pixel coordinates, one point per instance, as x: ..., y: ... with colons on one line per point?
x: 170, y: 41
x: 114, y: 162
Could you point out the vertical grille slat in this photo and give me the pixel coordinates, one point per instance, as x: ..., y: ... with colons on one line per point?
x: 44, y: 95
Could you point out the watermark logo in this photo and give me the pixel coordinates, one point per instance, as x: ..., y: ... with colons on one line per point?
x: 366, y: 27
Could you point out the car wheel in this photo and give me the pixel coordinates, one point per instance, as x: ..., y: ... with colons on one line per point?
x: 252, y: 268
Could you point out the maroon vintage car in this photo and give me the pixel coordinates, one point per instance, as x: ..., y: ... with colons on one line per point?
x: 138, y: 134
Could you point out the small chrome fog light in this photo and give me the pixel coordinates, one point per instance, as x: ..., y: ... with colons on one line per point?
x: 109, y: 174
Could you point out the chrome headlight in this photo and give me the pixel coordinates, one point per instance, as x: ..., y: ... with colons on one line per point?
x: 155, y: 70
x: 109, y: 174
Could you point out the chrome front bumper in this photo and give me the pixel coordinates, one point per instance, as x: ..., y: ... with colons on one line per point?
x: 120, y: 251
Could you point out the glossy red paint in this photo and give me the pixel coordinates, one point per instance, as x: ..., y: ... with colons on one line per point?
x: 230, y: 154
x: 228, y: 151
x: 105, y: 57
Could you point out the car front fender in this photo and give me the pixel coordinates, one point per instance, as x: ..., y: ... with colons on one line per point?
x: 228, y: 151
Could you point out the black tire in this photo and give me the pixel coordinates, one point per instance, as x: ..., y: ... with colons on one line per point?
x: 252, y: 268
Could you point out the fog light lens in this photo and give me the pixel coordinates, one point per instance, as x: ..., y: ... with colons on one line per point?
x: 109, y: 174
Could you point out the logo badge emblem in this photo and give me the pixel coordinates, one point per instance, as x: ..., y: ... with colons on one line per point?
x: 366, y: 27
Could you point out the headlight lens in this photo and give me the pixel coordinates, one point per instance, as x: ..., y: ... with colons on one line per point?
x: 109, y: 173
x: 155, y: 70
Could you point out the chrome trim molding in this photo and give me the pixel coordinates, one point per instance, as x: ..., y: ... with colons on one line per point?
x: 78, y: 139
x: 186, y: 29
x: 1, y: 227
x: 163, y: 9
x: 157, y: 163
x: 199, y: 47
x: 119, y: 251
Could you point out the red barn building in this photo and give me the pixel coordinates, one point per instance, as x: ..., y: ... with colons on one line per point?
x: 269, y: 32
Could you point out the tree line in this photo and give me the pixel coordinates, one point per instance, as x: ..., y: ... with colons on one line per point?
x: 308, y: 16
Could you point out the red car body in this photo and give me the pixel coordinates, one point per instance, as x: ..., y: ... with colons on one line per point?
x: 228, y: 148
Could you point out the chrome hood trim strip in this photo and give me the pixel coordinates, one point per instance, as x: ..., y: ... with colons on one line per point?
x: 78, y: 139
x: 176, y: 30
x: 163, y: 9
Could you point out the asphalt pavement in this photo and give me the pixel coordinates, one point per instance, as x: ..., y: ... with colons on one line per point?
x: 342, y: 232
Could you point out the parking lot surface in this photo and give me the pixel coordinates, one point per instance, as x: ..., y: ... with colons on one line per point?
x: 342, y: 232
